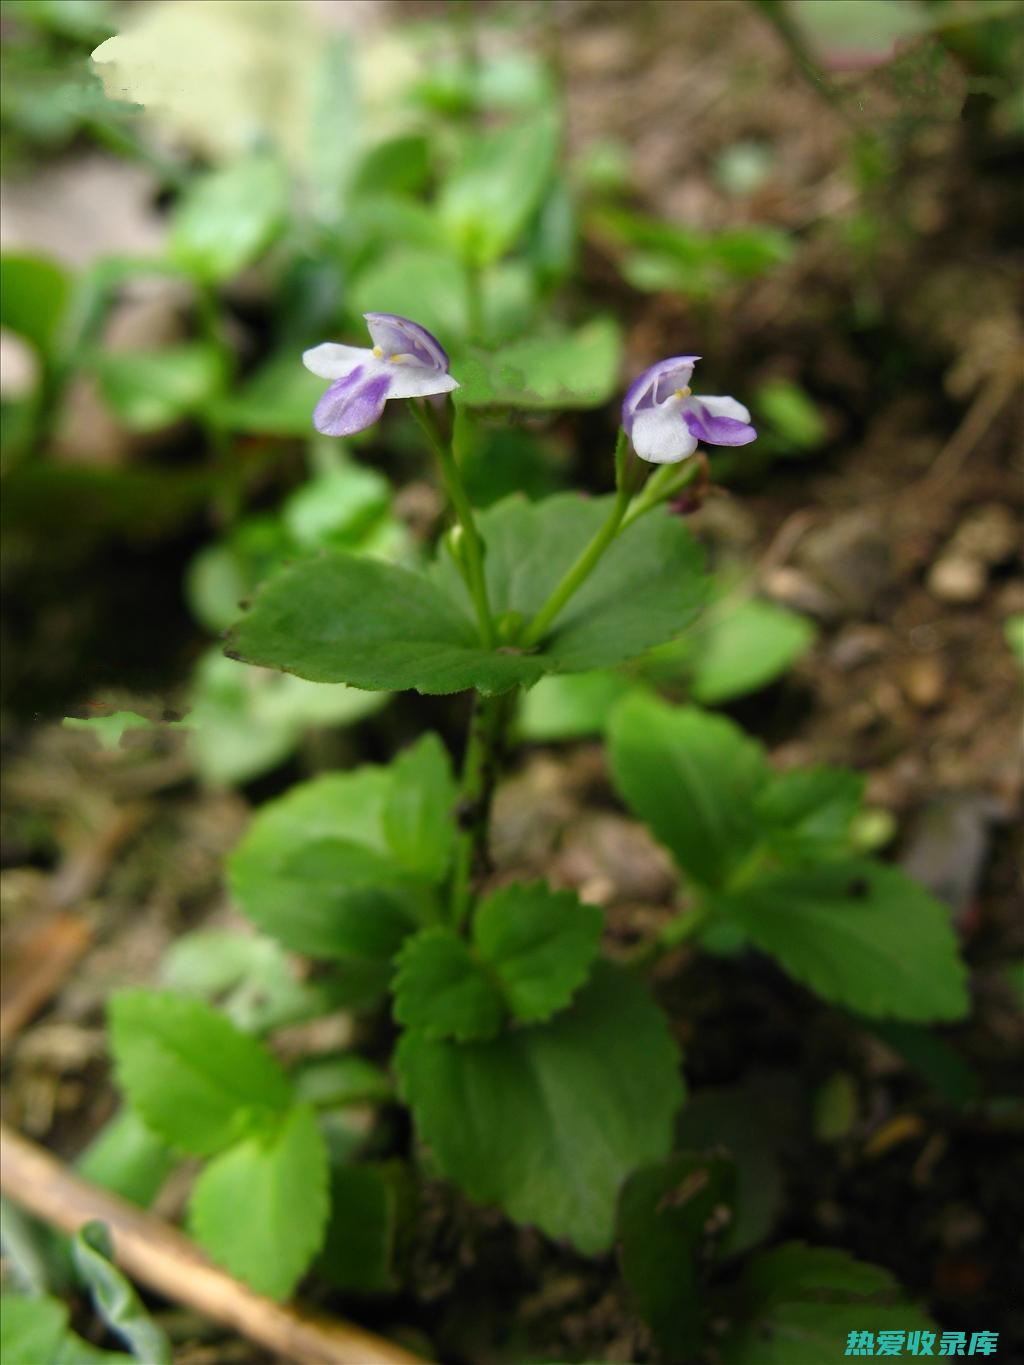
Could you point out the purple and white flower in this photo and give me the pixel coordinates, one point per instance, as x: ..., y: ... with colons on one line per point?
x: 665, y: 420
x: 406, y: 361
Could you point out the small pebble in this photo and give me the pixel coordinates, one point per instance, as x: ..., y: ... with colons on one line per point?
x: 987, y: 533
x: 924, y: 682
x: 955, y: 578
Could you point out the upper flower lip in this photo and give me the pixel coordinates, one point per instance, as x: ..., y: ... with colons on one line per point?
x: 665, y: 420
x: 647, y: 385
x: 406, y: 361
x: 386, y: 328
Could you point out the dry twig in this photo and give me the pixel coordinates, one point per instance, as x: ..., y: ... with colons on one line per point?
x: 161, y: 1257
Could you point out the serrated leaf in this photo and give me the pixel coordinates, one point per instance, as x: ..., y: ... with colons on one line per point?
x: 314, y: 869
x: 693, y: 778
x: 497, y: 185
x: 442, y: 991
x: 667, y: 1212
x: 648, y: 587
x: 532, y: 948
x: 563, y: 369
x: 858, y: 933
x: 228, y: 217
x: 539, y: 944
x: 115, y: 1297
x: 195, y: 1079
x: 796, y: 1304
x: 261, y: 1207
x: 548, y: 1121
x: 343, y: 619
x: 808, y: 812
x: 419, y: 813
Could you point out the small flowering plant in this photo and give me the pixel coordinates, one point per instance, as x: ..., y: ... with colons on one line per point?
x: 540, y: 1074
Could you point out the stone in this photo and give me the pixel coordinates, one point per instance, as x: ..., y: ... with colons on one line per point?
x: 956, y: 578
x: 850, y: 557
x: 924, y: 682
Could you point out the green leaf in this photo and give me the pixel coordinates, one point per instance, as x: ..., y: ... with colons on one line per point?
x: 343, y: 619
x: 368, y: 1205
x: 858, y: 933
x: 647, y: 588
x: 498, y: 185
x: 562, y: 369
x: 253, y: 980
x: 693, y: 778
x: 796, y: 1304
x: 228, y: 217
x: 115, y: 1298
x: 195, y: 1079
x: 151, y: 389
x: 539, y: 944
x: 426, y: 283
x: 338, y: 508
x: 531, y: 950
x: 396, y: 165
x: 331, y: 1082
x: 666, y: 1212
x: 1013, y: 633
x: 31, y: 1330
x: 548, y: 1121
x: 419, y: 813
x: 276, y: 400
x: 33, y: 298
x: 808, y: 812
x: 244, y: 721
x: 716, y: 1120
x: 745, y: 649
x: 108, y: 729
x: 128, y: 1159
x: 314, y: 869
x: 572, y: 706
x: 791, y: 416
x: 261, y: 1207
x: 442, y: 991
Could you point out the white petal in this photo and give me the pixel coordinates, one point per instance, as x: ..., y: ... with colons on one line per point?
x: 724, y: 407
x: 331, y: 361
x: 417, y: 381
x: 661, y: 436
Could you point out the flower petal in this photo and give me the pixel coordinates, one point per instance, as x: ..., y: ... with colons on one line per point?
x: 353, y: 403
x: 656, y: 384
x: 403, y: 337
x: 660, y: 435
x: 331, y: 361
x: 719, y: 421
x: 417, y: 381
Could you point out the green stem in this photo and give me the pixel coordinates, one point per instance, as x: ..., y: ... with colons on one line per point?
x: 472, y: 544
x: 588, y: 560
x: 678, y: 929
x: 479, y: 774
x: 667, y: 482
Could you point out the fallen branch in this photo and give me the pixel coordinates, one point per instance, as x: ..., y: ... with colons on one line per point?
x: 161, y: 1257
